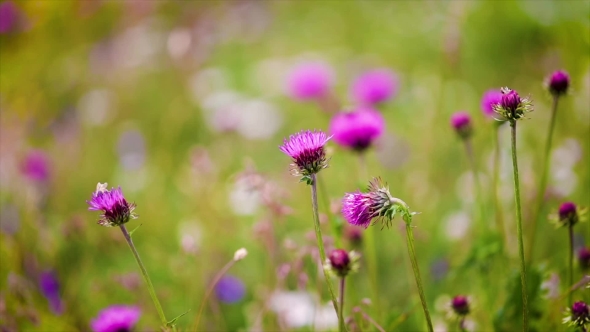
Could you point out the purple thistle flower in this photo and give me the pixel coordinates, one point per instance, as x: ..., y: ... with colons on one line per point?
x: 8, y: 16
x: 311, y: 80
x: 339, y: 261
x: 578, y: 315
x: 460, y: 305
x: 512, y: 107
x: 50, y: 289
x: 306, y: 148
x: 558, y: 83
x: 36, y: 166
x: 374, y: 87
x: 584, y: 258
x: 489, y: 100
x: 361, y: 208
x: 116, y: 318
x: 230, y: 289
x: 461, y: 122
x: 358, y: 129
x: 112, y: 202
x: 568, y: 213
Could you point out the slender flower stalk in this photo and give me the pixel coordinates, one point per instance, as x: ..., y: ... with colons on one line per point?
x: 145, y: 275
x: 306, y: 149
x: 571, y: 260
x: 340, y: 263
x: 557, y: 84
x: 117, y: 212
x: 512, y: 108
x: 341, y: 302
x: 318, y: 234
x: 362, y: 208
x: 238, y: 256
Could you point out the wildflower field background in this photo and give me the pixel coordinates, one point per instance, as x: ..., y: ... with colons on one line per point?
x: 184, y: 104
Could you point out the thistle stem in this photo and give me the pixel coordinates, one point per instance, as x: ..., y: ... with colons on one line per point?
x: 318, y: 234
x: 412, y: 252
x: 341, y: 302
x: 145, y: 275
x: 571, y: 262
x: 525, y: 309
x: 210, y: 289
x: 543, y: 180
x: 496, y: 176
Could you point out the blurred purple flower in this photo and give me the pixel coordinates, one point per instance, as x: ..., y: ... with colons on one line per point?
x: 584, y: 258
x: 461, y: 122
x: 114, y: 205
x: 558, y: 83
x: 116, y: 318
x: 460, y: 305
x: 307, y: 150
x: 8, y: 16
x: 230, y: 289
x: 358, y: 129
x: 36, y: 166
x: 50, y: 288
x: 309, y: 81
x: 489, y: 99
x: 374, y: 87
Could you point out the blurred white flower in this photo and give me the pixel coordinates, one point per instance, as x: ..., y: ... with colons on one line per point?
x: 240, y: 254
x: 179, y: 43
x: 258, y: 119
x: 457, y: 225
x: 190, y: 235
x: 244, y: 199
x: 297, y: 309
x: 466, y: 187
x: 206, y: 82
x: 97, y: 107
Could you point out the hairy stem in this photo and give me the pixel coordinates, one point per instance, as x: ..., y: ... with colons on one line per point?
x: 543, y: 179
x: 412, y: 252
x: 525, y: 309
x: 318, y: 235
x: 210, y: 289
x: 145, y: 275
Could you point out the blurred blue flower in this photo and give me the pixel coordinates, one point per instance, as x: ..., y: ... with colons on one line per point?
x: 230, y: 289
x: 50, y: 288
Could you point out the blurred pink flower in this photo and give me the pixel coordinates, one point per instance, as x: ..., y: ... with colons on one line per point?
x: 374, y: 87
x: 310, y: 80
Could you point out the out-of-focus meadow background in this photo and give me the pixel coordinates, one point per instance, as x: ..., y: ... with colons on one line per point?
x: 183, y: 104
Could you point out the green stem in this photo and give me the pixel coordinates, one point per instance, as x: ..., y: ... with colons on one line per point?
x: 412, y: 252
x: 145, y: 275
x: 341, y: 308
x: 318, y: 235
x: 496, y: 175
x: 571, y: 262
x: 543, y: 180
x: 525, y: 309
x: 218, y: 277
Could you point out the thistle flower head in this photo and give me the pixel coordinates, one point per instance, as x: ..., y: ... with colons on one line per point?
x: 375, y: 86
x: 116, y: 210
x: 558, y: 83
x: 461, y: 122
x: 309, y: 81
x: 361, y: 208
x: 116, y: 318
x: 306, y: 148
x: 568, y: 215
x: 584, y: 258
x: 578, y: 315
x: 358, y: 129
x: 460, y: 305
x: 341, y: 263
x: 512, y: 107
x: 489, y: 100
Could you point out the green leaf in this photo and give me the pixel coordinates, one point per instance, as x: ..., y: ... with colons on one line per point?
x: 172, y: 322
